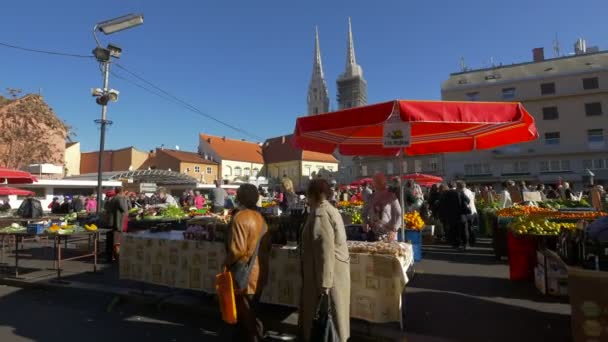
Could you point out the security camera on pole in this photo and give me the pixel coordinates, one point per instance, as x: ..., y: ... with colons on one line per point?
x: 104, y: 95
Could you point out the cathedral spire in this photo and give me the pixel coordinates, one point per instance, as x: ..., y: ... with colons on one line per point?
x: 351, y: 61
x: 318, y: 95
x: 317, y: 68
x: 352, y: 68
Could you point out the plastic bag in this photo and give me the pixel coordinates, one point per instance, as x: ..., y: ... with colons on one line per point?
x: 323, y: 326
x: 225, y: 293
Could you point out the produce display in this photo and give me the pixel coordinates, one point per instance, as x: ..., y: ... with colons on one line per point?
x: 13, y: 228
x: 538, y: 226
x: 215, y: 231
x: 64, y: 230
x: 269, y: 204
x: 523, y: 210
x: 70, y: 217
x: 413, y: 220
x: 397, y: 249
x: 90, y: 227
x: 547, y: 213
x: 357, y: 218
x: 564, y: 204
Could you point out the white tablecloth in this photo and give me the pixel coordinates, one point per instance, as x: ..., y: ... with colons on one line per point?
x: 166, y: 259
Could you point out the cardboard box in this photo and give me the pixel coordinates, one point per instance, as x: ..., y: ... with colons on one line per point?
x: 540, y: 280
x: 540, y: 258
x: 589, y: 300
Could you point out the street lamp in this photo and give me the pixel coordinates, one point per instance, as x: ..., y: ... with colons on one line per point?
x: 104, y: 95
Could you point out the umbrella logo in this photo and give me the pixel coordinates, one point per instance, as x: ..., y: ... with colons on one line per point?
x: 396, y: 134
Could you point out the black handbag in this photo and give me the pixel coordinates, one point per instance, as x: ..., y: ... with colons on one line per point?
x: 240, y: 270
x: 323, y: 326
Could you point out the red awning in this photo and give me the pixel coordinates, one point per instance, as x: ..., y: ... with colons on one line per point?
x: 362, y: 181
x: 11, y: 176
x: 423, y: 179
x: 6, y: 191
x: 436, y: 127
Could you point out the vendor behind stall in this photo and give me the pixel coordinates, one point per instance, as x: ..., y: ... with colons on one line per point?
x: 383, y: 215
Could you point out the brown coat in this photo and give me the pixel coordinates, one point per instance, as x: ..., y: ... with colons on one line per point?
x: 596, y: 199
x: 325, y: 264
x: 247, y: 227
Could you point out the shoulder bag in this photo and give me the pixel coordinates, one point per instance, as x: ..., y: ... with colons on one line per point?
x: 240, y: 270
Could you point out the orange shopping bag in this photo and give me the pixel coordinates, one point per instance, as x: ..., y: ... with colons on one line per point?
x: 225, y: 293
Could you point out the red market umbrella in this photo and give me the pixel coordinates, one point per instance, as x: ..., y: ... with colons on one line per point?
x: 362, y: 181
x: 11, y: 176
x: 7, y: 191
x: 423, y: 179
x: 415, y: 128
x: 428, y: 126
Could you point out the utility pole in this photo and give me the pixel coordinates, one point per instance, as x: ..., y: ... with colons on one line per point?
x: 102, y: 138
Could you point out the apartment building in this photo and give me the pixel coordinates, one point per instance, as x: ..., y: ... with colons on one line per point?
x: 567, y: 97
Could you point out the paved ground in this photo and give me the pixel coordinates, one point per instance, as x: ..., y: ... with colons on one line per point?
x: 72, y: 315
x: 454, y: 296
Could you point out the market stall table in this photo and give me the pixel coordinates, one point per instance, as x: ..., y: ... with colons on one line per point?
x: 91, y: 236
x: 378, y: 281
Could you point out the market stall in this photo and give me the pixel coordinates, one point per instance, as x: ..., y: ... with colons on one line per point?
x: 378, y: 270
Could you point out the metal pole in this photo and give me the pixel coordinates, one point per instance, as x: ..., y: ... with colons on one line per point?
x: 401, y: 155
x: 102, y: 135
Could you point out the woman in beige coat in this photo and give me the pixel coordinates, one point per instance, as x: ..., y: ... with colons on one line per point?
x: 325, y: 262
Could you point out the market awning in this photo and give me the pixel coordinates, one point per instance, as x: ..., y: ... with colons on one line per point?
x: 11, y: 176
x: 159, y: 177
x: 427, y: 127
x: 7, y: 191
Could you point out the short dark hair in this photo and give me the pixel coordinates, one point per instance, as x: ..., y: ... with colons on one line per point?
x: 247, y: 195
x: 118, y: 190
x: 317, y: 188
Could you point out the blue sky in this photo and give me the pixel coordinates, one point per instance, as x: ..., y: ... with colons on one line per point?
x: 249, y: 62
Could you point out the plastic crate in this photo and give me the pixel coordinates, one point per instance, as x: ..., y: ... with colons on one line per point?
x: 36, y: 228
x: 415, y: 238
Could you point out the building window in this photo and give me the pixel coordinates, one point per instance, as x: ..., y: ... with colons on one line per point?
x: 508, y: 93
x: 555, y: 166
x: 246, y: 172
x: 316, y: 110
x: 187, y: 170
x: 228, y: 171
x: 417, y: 165
x: 432, y: 164
x: 256, y: 171
x: 197, y: 169
x: 404, y: 166
x: 595, y: 136
x: 330, y: 169
x: 307, y: 170
x: 591, y: 83
x: 547, y: 88
x: 209, y: 171
x: 517, y: 167
x: 552, y: 138
x: 364, y: 170
x: 477, y: 169
x: 595, y: 164
x: 389, y: 168
x: 237, y: 171
x: 593, y: 108
x: 473, y: 96
x: 550, y: 113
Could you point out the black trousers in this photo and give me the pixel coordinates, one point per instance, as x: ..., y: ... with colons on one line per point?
x: 249, y: 328
x: 459, y: 233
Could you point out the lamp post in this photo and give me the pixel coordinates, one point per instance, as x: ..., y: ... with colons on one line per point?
x: 104, y: 95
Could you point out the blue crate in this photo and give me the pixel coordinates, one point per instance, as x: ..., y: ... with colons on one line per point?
x: 415, y: 238
x: 36, y: 228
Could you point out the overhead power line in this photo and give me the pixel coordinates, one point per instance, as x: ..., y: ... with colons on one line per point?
x: 46, y: 52
x: 151, y: 88
x: 158, y: 91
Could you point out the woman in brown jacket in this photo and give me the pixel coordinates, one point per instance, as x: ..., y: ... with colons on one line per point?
x: 325, y: 262
x: 247, y: 228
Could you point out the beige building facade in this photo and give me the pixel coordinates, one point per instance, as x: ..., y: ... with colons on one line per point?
x: 568, y: 97
x: 72, y: 159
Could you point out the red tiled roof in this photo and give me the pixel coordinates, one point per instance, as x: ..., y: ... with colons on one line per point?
x: 281, y: 149
x: 187, y: 157
x: 232, y: 149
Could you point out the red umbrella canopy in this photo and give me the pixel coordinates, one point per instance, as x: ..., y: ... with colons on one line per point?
x: 431, y: 127
x: 423, y: 179
x: 7, y: 191
x: 11, y: 176
x: 362, y: 181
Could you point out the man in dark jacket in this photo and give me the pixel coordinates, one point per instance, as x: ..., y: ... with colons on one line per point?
x: 30, y: 208
x: 454, y: 210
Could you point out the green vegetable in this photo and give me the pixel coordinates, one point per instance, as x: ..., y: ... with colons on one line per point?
x: 173, y: 212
